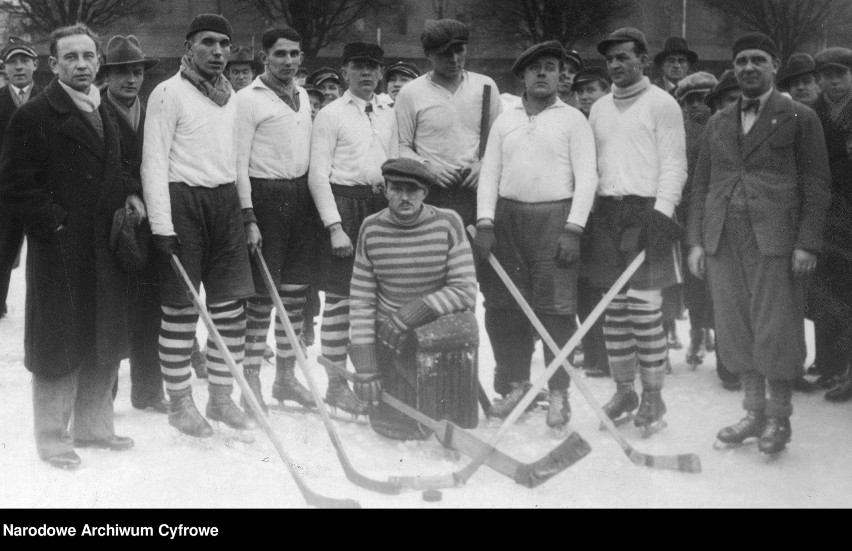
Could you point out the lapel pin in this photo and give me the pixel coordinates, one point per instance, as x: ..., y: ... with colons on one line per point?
x: 774, y: 121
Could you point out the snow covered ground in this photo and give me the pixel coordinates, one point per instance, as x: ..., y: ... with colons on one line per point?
x: 163, y: 470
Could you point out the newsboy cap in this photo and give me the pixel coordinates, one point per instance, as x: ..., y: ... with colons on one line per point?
x: 574, y: 57
x: 836, y: 57
x: 699, y: 82
x: 755, y: 41
x: 323, y: 74
x: 549, y: 48
x: 798, y: 64
x: 404, y: 170
x: 17, y: 45
x: 403, y: 68
x: 209, y: 22
x: 624, y: 34
x: 363, y: 50
x: 439, y: 35
x: 590, y: 74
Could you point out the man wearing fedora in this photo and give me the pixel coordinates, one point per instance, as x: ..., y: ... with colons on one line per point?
x: 352, y: 137
x: 440, y: 117
x: 124, y: 69
x: 675, y: 61
x: 189, y: 169
x: 640, y: 140
x: 21, y: 62
x: 273, y: 151
x: 76, y: 311
x: 798, y: 77
x: 242, y: 68
x: 758, y: 205
x: 536, y: 189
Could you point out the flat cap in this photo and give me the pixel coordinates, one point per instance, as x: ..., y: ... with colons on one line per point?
x: 624, y: 34
x: 402, y: 68
x: 798, y: 64
x: 837, y: 57
x: 209, y: 22
x: 313, y: 90
x: 363, y: 50
x: 728, y: 81
x: 574, y: 57
x: 17, y: 45
x: 404, y: 170
x: 549, y: 48
x: 590, y: 74
x: 699, y: 82
x: 755, y: 41
x: 439, y: 35
x: 322, y: 74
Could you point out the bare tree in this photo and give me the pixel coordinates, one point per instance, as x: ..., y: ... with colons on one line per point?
x: 568, y: 21
x: 790, y: 23
x: 320, y: 22
x: 43, y: 16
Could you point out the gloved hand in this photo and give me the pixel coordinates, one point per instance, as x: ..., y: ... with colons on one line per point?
x: 659, y: 233
x: 484, y: 241
x: 394, y: 333
x: 165, y: 245
x: 365, y: 362
x: 567, y: 247
x: 416, y: 313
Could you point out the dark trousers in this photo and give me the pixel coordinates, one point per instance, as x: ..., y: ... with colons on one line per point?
x: 594, y: 346
x: 76, y: 406
x: 146, y: 379
x: 11, y: 240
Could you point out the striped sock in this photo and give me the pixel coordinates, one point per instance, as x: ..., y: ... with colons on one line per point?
x: 647, y: 322
x: 620, y: 341
x: 334, y: 335
x: 257, y: 328
x: 230, y: 319
x: 294, y: 298
x: 177, y: 333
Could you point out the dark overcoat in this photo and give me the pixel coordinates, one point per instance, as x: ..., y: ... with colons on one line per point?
x: 55, y: 169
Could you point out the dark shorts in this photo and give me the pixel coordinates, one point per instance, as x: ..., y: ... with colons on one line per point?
x: 287, y: 220
x: 527, y: 235
x: 354, y: 204
x: 614, y: 243
x: 213, y: 251
x: 461, y: 201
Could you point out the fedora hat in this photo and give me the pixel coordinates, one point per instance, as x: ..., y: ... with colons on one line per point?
x: 675, y: 45
x: 125, y: 50
x: 797, y: 65
x: 244, y: 55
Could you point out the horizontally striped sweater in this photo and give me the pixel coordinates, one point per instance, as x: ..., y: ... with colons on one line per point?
x: 396, y: 263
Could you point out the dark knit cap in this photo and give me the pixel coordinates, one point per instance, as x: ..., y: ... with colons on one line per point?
x: 404, y: 170
x: 591, y: 74
x: 403, y: 68
x: 439, y: 35
x: 321, y: 75
x: 624, y: 34
x: 209, y: 22
x: 549, y: 48
x: 837, y: 57
x: 363, y: 50
x: 755, y: 41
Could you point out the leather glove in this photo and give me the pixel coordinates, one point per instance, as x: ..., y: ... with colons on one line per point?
x: 484, y: 241
x: 567, y: 248
x: 165, y: 245
x: 394, y: 333
x: 416, y: 313
x: 659, y: 233
x: 366, y: 363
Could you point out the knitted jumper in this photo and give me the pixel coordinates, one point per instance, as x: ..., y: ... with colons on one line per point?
x: 428, y: 259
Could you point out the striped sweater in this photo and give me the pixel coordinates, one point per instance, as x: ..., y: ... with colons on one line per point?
x: 429, y: 259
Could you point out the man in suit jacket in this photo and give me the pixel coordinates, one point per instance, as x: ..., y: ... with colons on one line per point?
x: 759, y: 201
x: 21, y: 62
x: 124, y: 69
x: 60, y: 172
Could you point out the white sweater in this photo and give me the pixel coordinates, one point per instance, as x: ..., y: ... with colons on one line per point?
x: 545, y: 157
x: 188, y: 139
x: 641, y: 147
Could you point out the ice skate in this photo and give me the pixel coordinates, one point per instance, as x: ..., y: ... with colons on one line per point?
x: 222, y: 409
x: 287, y: 387
x: 775, y: 436
x: 190, y: 427
x: 621, y: 407
x: 504, y: 406
x: 559, y: 410
x: 340, y: 396
x: 748, y: 429
x: 649, y: 418
x: 695, y: 354
x: 252, y: 375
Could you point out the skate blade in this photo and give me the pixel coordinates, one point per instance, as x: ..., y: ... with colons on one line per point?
x: 230, y: 435
x: 623, y: 420
x: 649, y: 430
x: 719, y: 445
x: 203, y: 442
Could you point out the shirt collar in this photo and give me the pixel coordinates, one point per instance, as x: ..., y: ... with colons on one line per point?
x: 359, y: 103
x: 26, y: 88
x: 557, y: 103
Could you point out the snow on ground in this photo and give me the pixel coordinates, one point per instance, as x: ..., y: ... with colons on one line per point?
x: 164, y: 470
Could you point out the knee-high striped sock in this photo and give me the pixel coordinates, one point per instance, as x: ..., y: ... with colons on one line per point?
x: 177, y: 333
x: 257, y: 327
x: 334, y: 335
x: 293, y: 297
x: 230, y: 319
x: 620, y: 342
x: 647, y: 323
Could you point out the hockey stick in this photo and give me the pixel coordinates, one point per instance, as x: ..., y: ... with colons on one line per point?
x: 690, y: 463
x: 454, y: 437
x: 353, y: 475
x: 312, y: 498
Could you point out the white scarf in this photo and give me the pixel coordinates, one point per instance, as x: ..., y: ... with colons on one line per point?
x: 86, y: 103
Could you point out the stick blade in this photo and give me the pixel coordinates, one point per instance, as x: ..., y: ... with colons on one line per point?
x: 571, y: 450
x: 685, y: 463
x: 322, y: 502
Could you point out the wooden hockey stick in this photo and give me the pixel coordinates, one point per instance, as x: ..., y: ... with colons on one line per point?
x: 454, y: 437
x: 690, y: 463
x: 385, y: 487
x: 312, y: 498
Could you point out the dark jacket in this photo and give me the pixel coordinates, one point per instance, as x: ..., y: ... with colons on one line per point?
x: 131, y: 143
x: 55, y: 169
x: 783, y: 166
x: 8, y: 106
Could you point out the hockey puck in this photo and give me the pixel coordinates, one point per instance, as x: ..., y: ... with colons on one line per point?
x: 432, y: 495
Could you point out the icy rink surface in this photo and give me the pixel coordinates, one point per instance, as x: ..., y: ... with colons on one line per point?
x: 163, y: 470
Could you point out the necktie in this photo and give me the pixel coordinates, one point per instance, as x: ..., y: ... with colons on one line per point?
x: 750, y: 104
x: 369, y: 109
x: 22, y: 97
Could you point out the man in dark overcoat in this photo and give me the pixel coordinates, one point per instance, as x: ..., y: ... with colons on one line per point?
x: 60, y: 173
x: 21, y: 62
x: 759, y: 200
